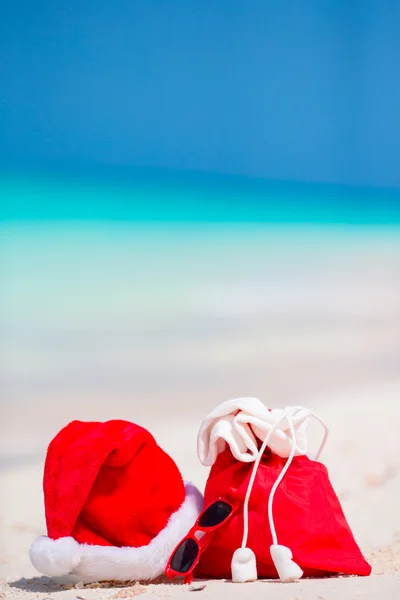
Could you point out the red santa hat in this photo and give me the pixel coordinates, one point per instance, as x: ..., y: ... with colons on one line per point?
x: 115, y: 503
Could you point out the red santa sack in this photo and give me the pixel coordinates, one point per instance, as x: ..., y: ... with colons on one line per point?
x: 288, y: 497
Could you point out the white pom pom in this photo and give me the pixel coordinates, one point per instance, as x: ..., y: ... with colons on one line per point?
x: 55, y: 557
x: 287, y: 569
x: 243, y: 566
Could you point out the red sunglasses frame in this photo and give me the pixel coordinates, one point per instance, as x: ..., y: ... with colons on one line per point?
x: 201, y: 542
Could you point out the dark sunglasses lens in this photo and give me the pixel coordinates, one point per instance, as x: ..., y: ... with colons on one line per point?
x: 215, y: 514
x: 185, y: 556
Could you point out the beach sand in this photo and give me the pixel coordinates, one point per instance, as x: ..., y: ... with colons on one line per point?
x: 317, y: 324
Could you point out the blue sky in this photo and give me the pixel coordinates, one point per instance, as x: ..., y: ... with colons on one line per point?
x: 292, y: 90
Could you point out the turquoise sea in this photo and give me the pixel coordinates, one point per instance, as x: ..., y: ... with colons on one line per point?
x: 122, y: 194
x: 114, y: 282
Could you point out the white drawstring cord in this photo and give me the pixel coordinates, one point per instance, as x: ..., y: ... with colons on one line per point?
x: 310, y: 413
x: 243, y: 561
x: 253, y: 476
x: 277, y: 482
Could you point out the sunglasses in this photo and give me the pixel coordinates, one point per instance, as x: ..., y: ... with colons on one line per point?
x: 187, y: 554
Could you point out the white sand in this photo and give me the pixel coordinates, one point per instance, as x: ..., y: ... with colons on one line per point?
x: 317, y: 325
x: 363, y: 458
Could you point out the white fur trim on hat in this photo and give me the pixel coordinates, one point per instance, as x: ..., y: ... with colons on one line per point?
x: 89, y: 564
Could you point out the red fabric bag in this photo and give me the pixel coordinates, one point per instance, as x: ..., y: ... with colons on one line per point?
x: 260, y: 467
x: 308, y: 518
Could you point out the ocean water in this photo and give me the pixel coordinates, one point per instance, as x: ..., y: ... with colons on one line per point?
x: 118, y: 194
x: 181, y: 285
